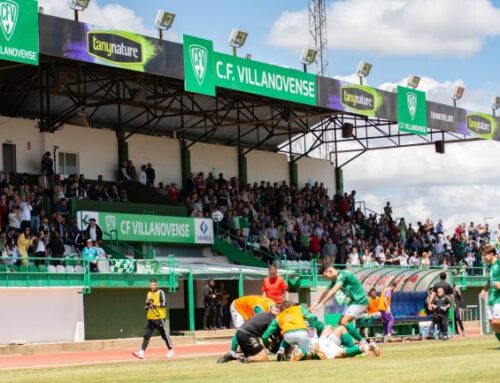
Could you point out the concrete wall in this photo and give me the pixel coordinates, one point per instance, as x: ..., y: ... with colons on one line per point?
x: 40, y: 314
x: 311, y: 170
x: 267, y: 166
x: 163, y: 153
x: 214, y: 158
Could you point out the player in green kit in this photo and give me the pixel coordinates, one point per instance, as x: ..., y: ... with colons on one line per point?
x: 492, y: 288
x: 358, y: 300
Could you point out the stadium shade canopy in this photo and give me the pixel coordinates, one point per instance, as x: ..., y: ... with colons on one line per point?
x: 407, y: 279
x: 103, y: 78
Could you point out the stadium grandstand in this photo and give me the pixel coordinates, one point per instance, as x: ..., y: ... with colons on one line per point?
x: 127, y: 158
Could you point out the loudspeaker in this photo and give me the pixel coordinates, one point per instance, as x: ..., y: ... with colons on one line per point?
x: 439, y: 146
x: 347, y: 129
x: 287, y: 115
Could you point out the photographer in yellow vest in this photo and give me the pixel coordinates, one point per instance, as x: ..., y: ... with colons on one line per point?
x: 156, y: 312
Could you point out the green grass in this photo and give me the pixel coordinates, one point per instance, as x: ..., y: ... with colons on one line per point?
x: 466, y: 360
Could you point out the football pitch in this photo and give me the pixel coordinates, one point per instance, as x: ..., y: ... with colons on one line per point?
x: 461, y: 360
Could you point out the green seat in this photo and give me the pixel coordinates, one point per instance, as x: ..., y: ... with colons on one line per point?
x: 24, y: 269
x: 42, y: 268
x: 3, y: 268
x: 32, y: 268
x: 13, y: 268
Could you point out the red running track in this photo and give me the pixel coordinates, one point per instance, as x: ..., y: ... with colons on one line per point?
x: 110, y: 356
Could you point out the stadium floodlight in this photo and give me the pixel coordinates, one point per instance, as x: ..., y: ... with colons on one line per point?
x: 307, y: 57
x: 364, y: 69
x: 495, y: 104
x: 78, y: 6
x: 413, y: 81
x: 164, y: 21
x: 237, y: 39
x: 458, y: 93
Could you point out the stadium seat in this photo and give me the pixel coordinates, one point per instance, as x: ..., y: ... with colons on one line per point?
x: 70, y: 269
x: 60, y: 269
x: 51, y: 269
x: 3, y: 268
x: 78, y: 269
x: 42, y: 268
x: 32, y: 268
x: 24, y: 269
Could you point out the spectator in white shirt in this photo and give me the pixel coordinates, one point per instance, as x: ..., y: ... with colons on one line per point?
x: 143, y: 178
x: 414, y: 261
x: 25, y: 210
x: 15, y: 218
x: 353, y: 258
x: 403, y: 258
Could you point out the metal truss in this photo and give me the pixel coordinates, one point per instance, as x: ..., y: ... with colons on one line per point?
x: 368, y: 134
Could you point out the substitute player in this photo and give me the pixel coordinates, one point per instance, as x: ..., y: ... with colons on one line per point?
x: 358, y: 301
x: 156, y: 314
x: 292, y: 323
x: 241, y: 310
x: 373, y: 312
x: 249, y: 334
x: 492, y: 288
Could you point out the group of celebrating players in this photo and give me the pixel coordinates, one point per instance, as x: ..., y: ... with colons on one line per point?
x: 295, y: 333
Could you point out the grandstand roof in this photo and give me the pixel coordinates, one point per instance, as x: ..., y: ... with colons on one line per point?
x: 73, y: 85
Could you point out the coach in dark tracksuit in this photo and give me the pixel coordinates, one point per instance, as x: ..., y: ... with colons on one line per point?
x: 156, y: 315
x: 248, y: 337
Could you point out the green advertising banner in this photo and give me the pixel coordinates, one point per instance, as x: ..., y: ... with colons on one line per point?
x: 412, y: 111
x: 481, y: 125
x: 199, y: 72
x: 19, y: 25
x: 152, y: 228
x: 264, y: 79
x: 205, y: 69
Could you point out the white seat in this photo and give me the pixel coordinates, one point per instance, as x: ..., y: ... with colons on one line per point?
x: 51, y: 269
x: 78, y: 269
x: 60, y: 269
x: 70, y: 269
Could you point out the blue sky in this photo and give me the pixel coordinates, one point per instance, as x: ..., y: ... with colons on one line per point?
x: 214, y: 20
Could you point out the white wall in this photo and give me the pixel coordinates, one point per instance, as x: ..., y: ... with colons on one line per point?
x: 311, y: 170
x: 97, y: 149
x: 163, y: 153
x: 214, y: 158
x: 267, y: 166
x: 26, y: 136
x: 40, y: 314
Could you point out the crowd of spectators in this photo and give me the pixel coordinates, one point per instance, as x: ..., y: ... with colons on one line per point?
x: 274, y: 220
x: 278, y: 221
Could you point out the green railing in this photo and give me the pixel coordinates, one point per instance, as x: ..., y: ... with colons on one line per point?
x: 75, y: 271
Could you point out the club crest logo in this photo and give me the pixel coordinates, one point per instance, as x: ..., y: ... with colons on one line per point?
x: 9, y: 11
x: 110, y: 222
x: 411, y: 101
x: 199, y: 61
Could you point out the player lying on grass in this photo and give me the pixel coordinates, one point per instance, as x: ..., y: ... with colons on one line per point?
x: 337, y: 343
x: 358, y: 301
x: 293, y: 322
x: 248, y: 338
x: 492, y: 288
x: 242, y: 309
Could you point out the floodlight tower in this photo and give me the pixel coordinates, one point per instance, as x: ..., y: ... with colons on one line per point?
x: 319, y: 34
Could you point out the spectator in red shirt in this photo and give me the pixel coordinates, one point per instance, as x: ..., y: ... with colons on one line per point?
x: 274, y: 286
x: 315, y: 245
x: 173, y: 193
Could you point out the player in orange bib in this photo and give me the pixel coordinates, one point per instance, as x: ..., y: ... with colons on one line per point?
x: 241, y: 310
x: 372, y: 313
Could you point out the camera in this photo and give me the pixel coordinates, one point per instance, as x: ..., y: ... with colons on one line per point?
x: 150, y: 303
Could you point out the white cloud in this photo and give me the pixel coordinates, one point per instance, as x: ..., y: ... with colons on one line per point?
x: 113, y: 15
x: 397, y: 27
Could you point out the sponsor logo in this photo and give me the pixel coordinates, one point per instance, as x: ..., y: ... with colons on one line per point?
x: 411, y: 102
x: 478, y: 124
x: 110, y: 221
x: 357, y: 98
x: 204, y: 227
x: 199, y: 61
x: 445, y: 117
x: 9, y: 11
x: 114, y: 47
